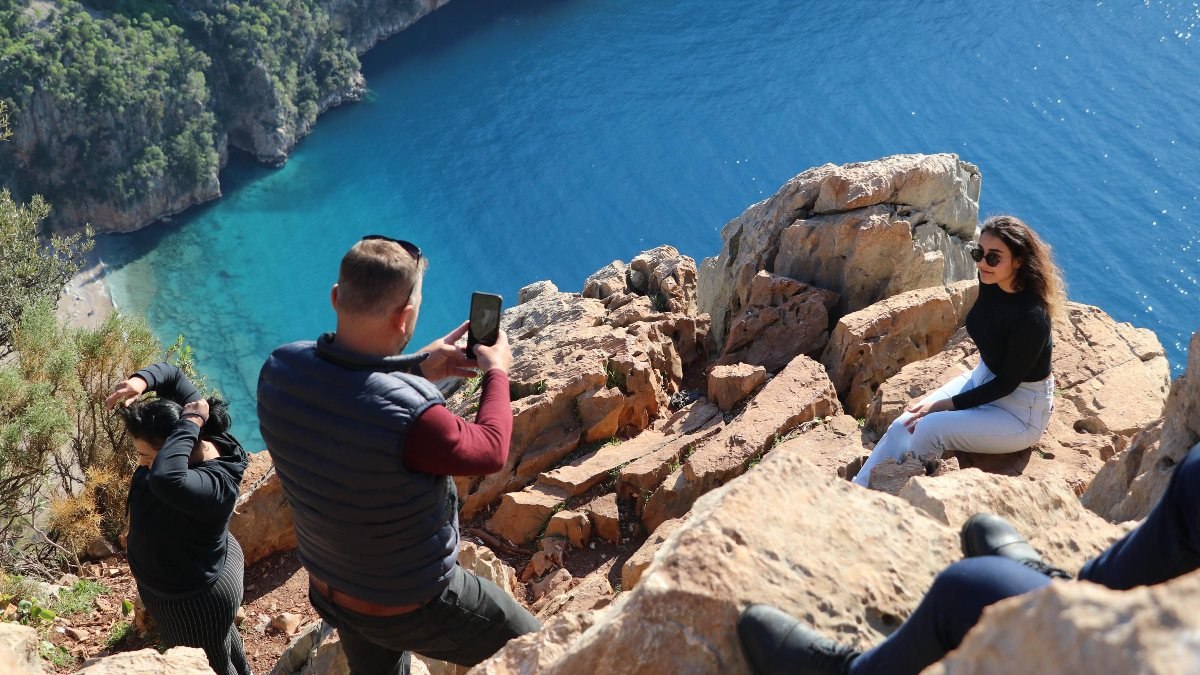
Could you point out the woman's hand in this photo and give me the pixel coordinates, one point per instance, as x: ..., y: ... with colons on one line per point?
x: 922, y: 409
x: 446, y: 358
x: 125, y: 392
x: 199, y: 407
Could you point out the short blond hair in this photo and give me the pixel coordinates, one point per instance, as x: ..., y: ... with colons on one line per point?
x: 375, y: 274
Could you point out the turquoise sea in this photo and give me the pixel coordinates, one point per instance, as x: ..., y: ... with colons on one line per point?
x: 517, y: 140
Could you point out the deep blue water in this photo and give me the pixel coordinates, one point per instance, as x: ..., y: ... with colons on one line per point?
x: 518, y: 140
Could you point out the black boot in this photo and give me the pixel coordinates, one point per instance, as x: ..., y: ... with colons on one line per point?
x: 775, y: 643
x: 988, y: 534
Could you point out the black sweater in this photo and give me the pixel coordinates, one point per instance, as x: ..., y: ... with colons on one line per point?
x: 1012, y: 332
x: 179, y: 515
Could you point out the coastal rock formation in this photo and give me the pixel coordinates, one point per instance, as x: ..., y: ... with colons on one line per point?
x: 752, y: 541
x: 19, y: 650
x: 124, y: 118
x: 866, y: 231
x: 262, y: 518
x: 730, y: 385
x: 175, y: 661
x: 1111, y: 380
x: 781, y: 318
x: 874, y: 343
x: 1085, y: 628
x: 1131, y: 483
x: 586, y: 369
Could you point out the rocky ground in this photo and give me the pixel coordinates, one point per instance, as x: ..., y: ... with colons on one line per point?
x: 682, y: 437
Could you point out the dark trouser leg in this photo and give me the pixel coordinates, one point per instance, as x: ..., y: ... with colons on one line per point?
x: 206, y: 620
x: 1165, y: 545
x: 362, y: 655
x: 950, y: 608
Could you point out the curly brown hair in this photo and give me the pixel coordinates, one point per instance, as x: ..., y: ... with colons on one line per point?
x: 1037, y: 272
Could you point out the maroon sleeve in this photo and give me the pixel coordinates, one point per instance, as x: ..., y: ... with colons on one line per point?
x: 445, y: 444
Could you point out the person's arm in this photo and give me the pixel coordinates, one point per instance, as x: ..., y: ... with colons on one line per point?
x: 1026, y: 341
x: 445, y: 444
x: 169, y: 382
x: 172, y: 481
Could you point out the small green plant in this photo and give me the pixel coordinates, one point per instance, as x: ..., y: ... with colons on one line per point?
x: 57, y: 655
x: 80, y: 597
x: 862, y: 422
x: 117, y: 635
x: 126, y: 607
x: 614, y: 378
x: 30, y: 612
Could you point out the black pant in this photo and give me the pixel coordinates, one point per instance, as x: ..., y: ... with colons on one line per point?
x: 471, y: 620
x: 206, y: 620
x: 1164, y: 546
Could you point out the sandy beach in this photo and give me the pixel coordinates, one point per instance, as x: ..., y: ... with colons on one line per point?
x: 86, y: 301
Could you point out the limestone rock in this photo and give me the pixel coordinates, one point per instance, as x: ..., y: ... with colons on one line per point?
x: 1130, y: 484
x: 831, y: 444
x: 523, y: 515
x: 780, y: 319
x: 752, y: 541
x: 1110, y: 381
x: 605, y: 517
x: 482, y: 562
x: 606, y: 281
x: 579, y: 375
x: 635, y: 566
x: 588, y: 594
x: 176, y: 661
x: 1046, y: 513
x: 801, y: 392
x: 870, y: 345
x: 262, y: 519
x: 891, y: 477
x: 666, y: 277
x: 286, y: 623
x: 865, y: 231
x: 573, y: 526
x: 1078, y: 627
x: 730, y: 385
x: 19, y: 650
x: 535, y: 289
x: 542, y: 589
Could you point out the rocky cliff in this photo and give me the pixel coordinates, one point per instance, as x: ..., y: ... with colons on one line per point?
x: 681, y: 445
x: 121, y: 115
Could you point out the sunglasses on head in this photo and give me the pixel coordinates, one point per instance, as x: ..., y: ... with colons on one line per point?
x: 409, y: 247
x: 991, y: 257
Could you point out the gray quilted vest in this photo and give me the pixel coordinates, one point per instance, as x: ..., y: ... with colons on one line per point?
x: 335, y: 423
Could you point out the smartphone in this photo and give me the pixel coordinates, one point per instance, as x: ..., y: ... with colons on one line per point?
x: 485, y: 321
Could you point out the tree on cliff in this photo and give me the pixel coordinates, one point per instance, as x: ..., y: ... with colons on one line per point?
x: 29, y: 269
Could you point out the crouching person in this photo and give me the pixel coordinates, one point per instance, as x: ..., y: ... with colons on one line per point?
x: 364, y: 447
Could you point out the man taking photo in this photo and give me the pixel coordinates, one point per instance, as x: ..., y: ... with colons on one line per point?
x: 365, y: 446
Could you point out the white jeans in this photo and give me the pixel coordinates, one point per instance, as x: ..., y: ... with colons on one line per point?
x: 1009, y: 424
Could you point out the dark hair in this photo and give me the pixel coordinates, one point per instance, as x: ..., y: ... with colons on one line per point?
x: 375, y: 274
x: 154, y: 419
x: 1037, y: 272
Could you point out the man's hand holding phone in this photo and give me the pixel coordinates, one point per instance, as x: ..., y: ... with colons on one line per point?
x: 498, y: 355
x: 446, y: 358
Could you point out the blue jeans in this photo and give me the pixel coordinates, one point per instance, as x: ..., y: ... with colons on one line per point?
x: 1008, y: 424
x: 1166, y: 545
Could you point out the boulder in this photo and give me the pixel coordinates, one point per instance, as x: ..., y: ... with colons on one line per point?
x: 800, y: 393
x: 865, y: 231
x: 175, y: 661
x: 666, y: 277
x: 606, y: 281
x: 483, y: 562
x: 752, y: 541
x: 831, y: 444
x: 580, y: 375
x: 574, y: 526
x: 780, y: 319
x: 1129, y: 485
x: 1085, y: 628
x: 262, y: 519
x: 871, y: 345
x: 535, y: 289
x: 1046, y: 513
x: 522, y: 516
x: 19, y: 650
x: 635, y: 566
x: 605, y: 517
x: 1110, y: 381
x: 589, y: 594
x: 730, y: 385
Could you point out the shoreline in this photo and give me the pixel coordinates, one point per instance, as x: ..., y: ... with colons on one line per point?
x: 86, y: 301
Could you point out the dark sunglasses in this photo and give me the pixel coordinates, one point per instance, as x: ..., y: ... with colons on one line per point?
x: 991, y: 257
x: 409, y: 247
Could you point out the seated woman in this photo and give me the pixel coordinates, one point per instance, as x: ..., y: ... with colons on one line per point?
x: 188, y: 568
x: 1004, y: 404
